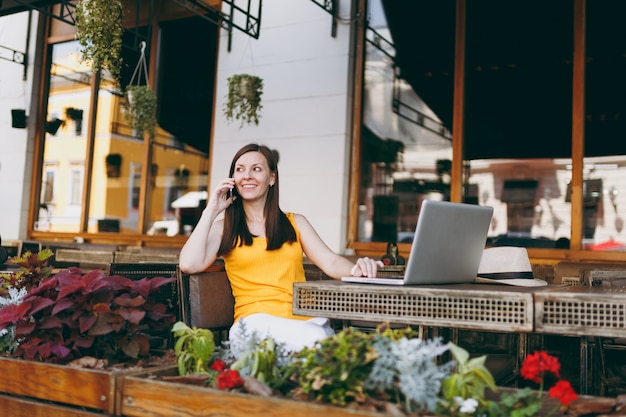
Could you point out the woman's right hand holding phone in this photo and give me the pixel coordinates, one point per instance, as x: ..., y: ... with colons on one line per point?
x: 223, y: 195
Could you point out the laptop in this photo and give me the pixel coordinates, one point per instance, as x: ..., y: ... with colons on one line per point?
x: 447, y: 247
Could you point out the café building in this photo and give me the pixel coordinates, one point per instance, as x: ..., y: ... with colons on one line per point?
x: 372, y: 105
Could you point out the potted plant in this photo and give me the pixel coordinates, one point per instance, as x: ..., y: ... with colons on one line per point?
x: 349, y: 374
x: 18, y: 118
x: 77, y: 116
x: 140, y: 108
x: 243, y: 101
x: 53, y: 126
x: 78, y: 330
x: 113, y: 163
x: 99, y: 29
x: 341, y: 370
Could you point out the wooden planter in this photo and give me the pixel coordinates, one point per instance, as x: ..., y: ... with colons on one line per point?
x: 143, y: 396
x: 24, y: 407
x: 40, y: 384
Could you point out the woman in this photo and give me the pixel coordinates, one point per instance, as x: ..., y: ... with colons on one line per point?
x: 263, y: 248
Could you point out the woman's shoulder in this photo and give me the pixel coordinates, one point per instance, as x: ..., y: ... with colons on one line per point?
x: 299, y: 219
x: 295, y: 216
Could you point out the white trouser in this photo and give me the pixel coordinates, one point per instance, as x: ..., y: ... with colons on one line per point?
x: 293, y: 334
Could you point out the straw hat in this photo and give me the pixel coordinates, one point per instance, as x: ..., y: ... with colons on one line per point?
x: 508, y: 265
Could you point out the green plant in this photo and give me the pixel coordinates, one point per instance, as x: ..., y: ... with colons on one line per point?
x: 14, y: 286
x: 140, y: 108
x: 72, y: 315
x: 334, y: 370
x: 99, y: 29
x: 259, y: 362
x: 526, y: 402
x: 469, y: 380
x: 73, y: 113
x: 391, y: 371
x: 33, y: 269
x: 243, y: 101
x: 406, y: 370
x: 194, y: 349
x: 352, y: 366
x: 463, y: 392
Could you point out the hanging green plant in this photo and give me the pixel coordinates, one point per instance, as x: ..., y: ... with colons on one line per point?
x: 99, y: 29
x: 243, y: 101
x: 141, y: 102
x: 140, y: 108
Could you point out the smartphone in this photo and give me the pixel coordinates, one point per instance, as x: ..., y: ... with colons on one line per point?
x: 231, y: 193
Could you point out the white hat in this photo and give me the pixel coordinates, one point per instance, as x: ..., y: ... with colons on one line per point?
x: 507, y: 265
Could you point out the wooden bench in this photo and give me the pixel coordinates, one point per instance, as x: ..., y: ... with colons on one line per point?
x: 90, y: 259
x: 152, y: 257
x: 577, y: 273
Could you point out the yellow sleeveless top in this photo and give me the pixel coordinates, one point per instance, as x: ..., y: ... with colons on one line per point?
x: 262, y: 280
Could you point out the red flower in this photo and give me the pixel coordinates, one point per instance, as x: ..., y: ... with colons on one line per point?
x: 564, y: 392
x: 229, y: 379
x: 218, y: 365
x: 537, y: 364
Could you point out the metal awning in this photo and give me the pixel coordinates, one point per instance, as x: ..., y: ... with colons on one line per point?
x: 8, y: 7
x: 244, y: 15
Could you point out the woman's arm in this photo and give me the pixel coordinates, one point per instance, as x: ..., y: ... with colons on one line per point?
x: 200, y: 250
x: 332, y: 264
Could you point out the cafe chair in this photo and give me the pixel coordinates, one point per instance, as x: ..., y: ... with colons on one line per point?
x: 207, y: 301
x: 168, y: 294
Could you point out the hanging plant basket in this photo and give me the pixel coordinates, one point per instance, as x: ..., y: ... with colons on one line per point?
x: 243, y: 101
x: 140, y: 108
x: 77, y: 116
x: 113, y: 165
x: 141, y: 102
x: 99, y: 29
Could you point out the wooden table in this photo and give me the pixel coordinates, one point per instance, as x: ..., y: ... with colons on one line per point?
x: 559, y: 310
x: 481, y: 307
x: 581, y: 311
x: 463, y: 306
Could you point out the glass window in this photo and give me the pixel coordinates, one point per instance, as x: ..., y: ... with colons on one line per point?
x: 76, y: 185
x: 64, y: 145
x: 604, y: 175
x: 406, y: 145
x: 179, y: 190
x: 107, y: 158
x: 518, y: 105
x: 48, y: 185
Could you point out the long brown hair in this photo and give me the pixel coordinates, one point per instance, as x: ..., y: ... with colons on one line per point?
x: 278, y: 228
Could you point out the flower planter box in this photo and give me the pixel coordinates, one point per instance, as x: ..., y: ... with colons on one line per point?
x: 94, y: 390
x: 23, y: 407
x: 146, y: 396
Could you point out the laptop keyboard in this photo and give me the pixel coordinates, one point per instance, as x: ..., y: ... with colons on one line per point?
x: 391, y: 271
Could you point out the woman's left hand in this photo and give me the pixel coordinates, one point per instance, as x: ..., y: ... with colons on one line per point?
x: 366, y: 267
